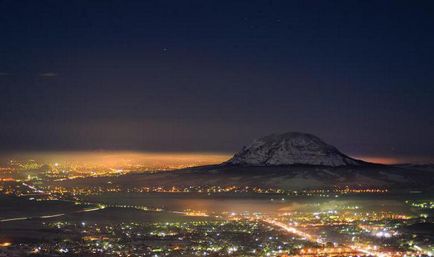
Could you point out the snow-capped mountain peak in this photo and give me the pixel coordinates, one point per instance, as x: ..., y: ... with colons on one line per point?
x: 289, y: 149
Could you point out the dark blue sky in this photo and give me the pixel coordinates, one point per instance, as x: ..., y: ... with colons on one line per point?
x: 212, y: 75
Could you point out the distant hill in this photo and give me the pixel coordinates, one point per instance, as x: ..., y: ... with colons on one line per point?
x: 293, y: 177
x: 291, y: 148
x: 426, y: 167
x: 289, y: 161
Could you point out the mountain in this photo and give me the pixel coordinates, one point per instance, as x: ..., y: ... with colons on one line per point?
x: 291, y: 177
x: 289, y: 149
x: 287, y: 161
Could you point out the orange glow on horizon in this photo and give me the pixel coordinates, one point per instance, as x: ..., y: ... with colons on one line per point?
x: 380, y: 159
x: 114, y: 159
x: 117, y: 159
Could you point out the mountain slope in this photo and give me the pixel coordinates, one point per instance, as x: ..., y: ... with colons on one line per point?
x: 287, y: 161
x: 294, y: 177
x: 289, y: 149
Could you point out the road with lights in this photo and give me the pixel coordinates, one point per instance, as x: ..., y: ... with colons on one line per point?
x: 315, y: 239
x: 52, y: 215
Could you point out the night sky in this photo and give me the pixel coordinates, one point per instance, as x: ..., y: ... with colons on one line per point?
x: 213, y: 75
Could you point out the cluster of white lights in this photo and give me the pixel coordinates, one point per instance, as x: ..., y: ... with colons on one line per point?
x: 383, y: 234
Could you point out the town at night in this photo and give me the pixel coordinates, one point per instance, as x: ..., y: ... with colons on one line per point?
x: 269, y: 128
x: 56, y: 210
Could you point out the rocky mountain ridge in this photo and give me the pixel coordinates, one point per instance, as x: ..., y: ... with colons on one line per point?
x: 291, y: 148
